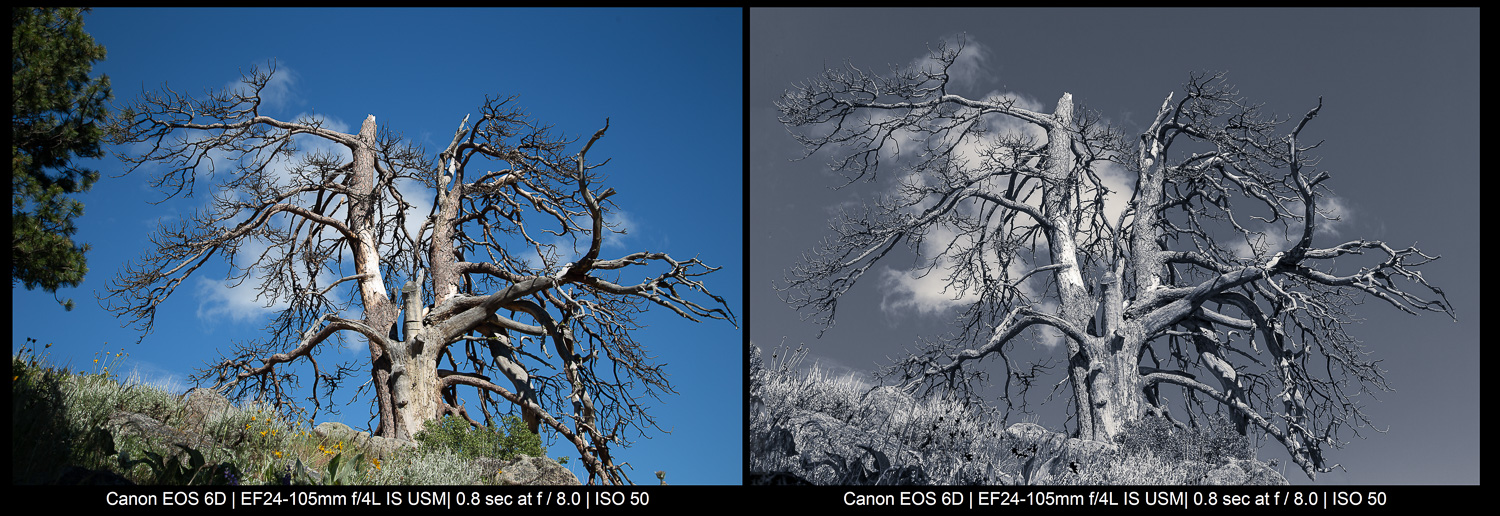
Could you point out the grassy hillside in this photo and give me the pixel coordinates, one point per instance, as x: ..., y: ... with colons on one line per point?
x: 808, y: 426
x: 67, y: 422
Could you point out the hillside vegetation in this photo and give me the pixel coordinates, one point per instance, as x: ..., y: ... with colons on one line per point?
x: 808, y: 427
x: 95, y: 428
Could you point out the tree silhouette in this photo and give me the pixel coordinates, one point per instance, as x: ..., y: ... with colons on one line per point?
x: 1200, y: 272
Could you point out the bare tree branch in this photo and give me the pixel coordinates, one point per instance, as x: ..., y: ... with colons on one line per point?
x: 346, y: 256
x: 1178, y: 276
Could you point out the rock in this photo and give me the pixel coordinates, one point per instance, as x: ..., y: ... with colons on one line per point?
x: 525, y: 470
x: 836, y: 441
x: 203, y: 406
x: 1227, y: 475
x: 1077, y: 453
x: 1251, y: 473
x: 124, y: 425
x: 1239, y: 472
x: 1033, y: 439
x: 1032, y: 433
x: 883, y: 401
x: 838, y: 457
x: 384, y: 447
x: 335, y: 431
x: 377, y: 446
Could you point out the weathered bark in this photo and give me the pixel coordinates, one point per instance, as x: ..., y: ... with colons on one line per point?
x: 415, y: 393
x: 379, y: 312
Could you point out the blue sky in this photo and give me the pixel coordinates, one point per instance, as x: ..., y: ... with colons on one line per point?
x: 1400, y: 124
x: 670, y: 82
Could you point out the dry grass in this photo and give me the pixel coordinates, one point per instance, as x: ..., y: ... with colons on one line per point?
x: 886, y: 437
x: 58, y: 416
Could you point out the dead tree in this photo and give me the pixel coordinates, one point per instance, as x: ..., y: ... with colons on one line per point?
x: 340, y: 245
x: 1184, y: 282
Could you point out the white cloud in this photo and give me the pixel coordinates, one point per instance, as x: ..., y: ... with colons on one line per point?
x: 1334, y: 215
x: 1047, y: 336
x: 620, y: 220
x: 1121, y: 182
x: 221, y: 299
x: 279, y: 93
x: 1278, y: 237
x: 905, y: 292
x: 234, y: 300
x: 971, y: 69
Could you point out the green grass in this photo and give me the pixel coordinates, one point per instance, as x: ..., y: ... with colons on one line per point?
x: 949, y: 442
x: 58, y: 420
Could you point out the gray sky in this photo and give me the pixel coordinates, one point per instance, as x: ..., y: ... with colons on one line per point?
x: 1400, y: 122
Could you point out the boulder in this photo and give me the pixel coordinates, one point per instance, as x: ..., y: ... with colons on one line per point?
x: 1033, y: 439
x: 780, y: 441
x: 126, y: 425
x: 203, y: 406
x: 525, y: 470
x: 1245, y: 473
x: 1227, y: 475
x: 1076, y: 453
x: 1032, y: 433
x: 840, y: 459
x: 335, y: 431
x: 374, y: 446
x: 886, y: 400
x: 384, y: 447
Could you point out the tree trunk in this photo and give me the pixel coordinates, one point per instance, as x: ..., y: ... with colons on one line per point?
x: 414, y: 393
x: 1113, y: 375
x: 405, y: 370
x: 1105, y: 378
x: 1115, y: 387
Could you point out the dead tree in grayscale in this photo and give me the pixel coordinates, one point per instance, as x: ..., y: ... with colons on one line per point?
x: 349, y: 255
x: 1203, y: 275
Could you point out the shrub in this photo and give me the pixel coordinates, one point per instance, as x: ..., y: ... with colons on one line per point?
x: 470, y: 442
x: 1221, y: 442
x: 1214, y: 443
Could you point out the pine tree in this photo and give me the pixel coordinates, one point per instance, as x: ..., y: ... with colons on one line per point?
x: 55, y: 117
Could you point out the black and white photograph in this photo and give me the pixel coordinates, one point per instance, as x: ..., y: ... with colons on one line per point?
x: 1114, y: 247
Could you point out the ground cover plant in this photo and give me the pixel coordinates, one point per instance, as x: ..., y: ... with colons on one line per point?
x: 61, y: 425
x: 807, y: 426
